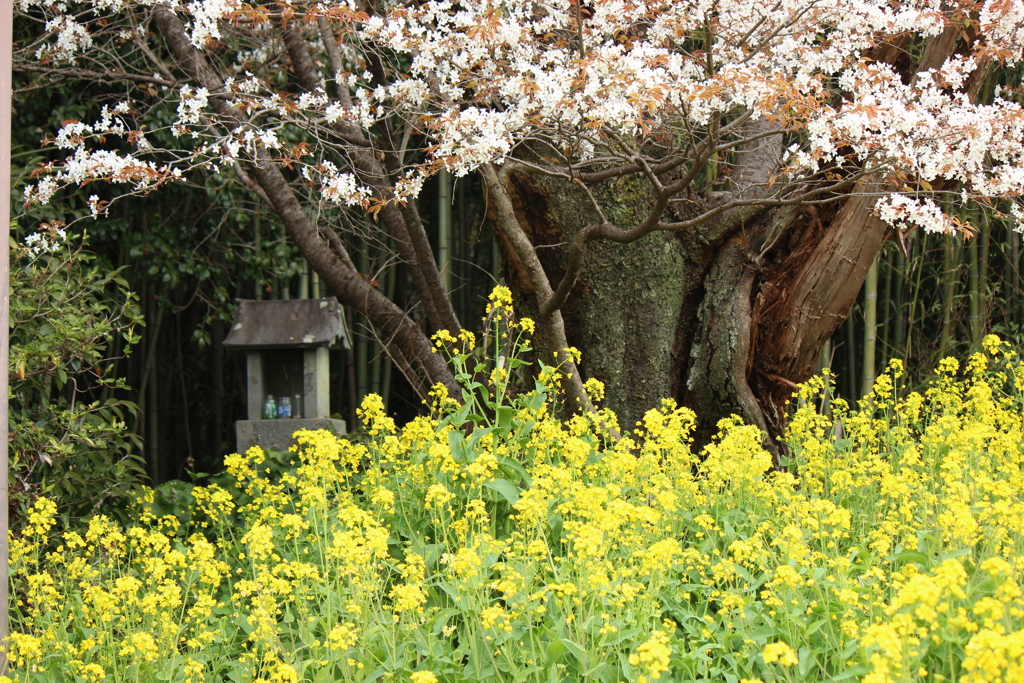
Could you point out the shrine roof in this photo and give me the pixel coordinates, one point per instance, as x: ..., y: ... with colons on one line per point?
x: 287, y: 323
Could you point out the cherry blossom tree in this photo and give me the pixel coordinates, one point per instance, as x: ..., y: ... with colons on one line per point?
x: 691, y: 192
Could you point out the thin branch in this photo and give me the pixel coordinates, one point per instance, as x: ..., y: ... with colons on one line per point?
x: 89, y: 74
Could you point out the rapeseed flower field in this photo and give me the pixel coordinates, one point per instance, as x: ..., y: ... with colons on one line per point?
x: 493, y: 541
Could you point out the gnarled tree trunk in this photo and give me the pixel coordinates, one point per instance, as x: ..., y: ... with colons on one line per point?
x: 725, y: 326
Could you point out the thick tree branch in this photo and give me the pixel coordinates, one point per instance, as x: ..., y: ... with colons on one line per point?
x: 577, y: 254
x: 674, y: 161
x: 330, y: 43
x: 402, y: 220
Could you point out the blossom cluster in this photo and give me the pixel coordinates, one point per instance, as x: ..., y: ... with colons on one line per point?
x: 337, y: 186
x: 473, y: 83
x: 48, y: 239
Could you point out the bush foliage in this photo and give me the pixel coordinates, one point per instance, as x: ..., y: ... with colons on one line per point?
x: 71, y: 319
x: 492, y: 541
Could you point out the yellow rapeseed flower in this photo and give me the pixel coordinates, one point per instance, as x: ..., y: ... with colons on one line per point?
x: 654, y: 654
x: 779, y: 652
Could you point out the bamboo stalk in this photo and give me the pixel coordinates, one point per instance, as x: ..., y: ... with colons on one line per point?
x: 304, y: 280
x: 824, y: 358
x: 850, y: 380
x: 915, y: 295
x: 464, y: 252
x: 900, y: 304
x: 6, y: 80
x: 444, y: 227
x: 946, y: 332
x: 974, y: 289
x: 361, y: 342
x: 825, y: 363
x: 284, y: 283
x: 870, y: 328
x: 184, y: 393
x: 1013, y: 275
x: 986, y: 245
x: 150, y: 390
x: 218, y: 384
x: 886, y: 308
x: 258, y: 288
x: 376, y: 367
x: 385, y: 390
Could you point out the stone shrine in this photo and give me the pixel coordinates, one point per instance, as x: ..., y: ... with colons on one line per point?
x: 286, y: 344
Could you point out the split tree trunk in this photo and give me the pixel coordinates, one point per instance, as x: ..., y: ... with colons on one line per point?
x: 626, y: 312
x: 725, y: 326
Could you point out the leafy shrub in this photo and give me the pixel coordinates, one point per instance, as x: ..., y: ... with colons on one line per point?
x: 508, y: 545
x: 68, y: 438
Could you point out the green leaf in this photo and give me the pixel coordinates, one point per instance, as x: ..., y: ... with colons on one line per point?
x: 507, y: 489
x: 457, y: 446
x: 805, y: 660
x: 508, y: 464
x: 578, y: 652
x: 852, y: 672
x: 621, y: 636
x: 813, y: 628
x: 909, y: 556
x: 554, y: 652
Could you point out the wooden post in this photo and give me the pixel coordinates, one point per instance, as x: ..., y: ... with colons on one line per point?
x: 6, y: 84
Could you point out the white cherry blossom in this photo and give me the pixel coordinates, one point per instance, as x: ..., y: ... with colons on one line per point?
x: 477, y: 83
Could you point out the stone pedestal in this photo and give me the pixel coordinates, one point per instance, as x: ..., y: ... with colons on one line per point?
x: 277, y: 434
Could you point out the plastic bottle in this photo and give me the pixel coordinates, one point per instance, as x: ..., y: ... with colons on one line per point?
x: 297, y: 406
x: 284, y: 408
x: 269, y: 408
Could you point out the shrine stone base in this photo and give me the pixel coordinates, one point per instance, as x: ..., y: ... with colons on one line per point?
x: 277, y: 434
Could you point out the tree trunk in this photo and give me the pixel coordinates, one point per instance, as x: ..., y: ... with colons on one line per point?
x: 727, y: 321
x: 626, y: 310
